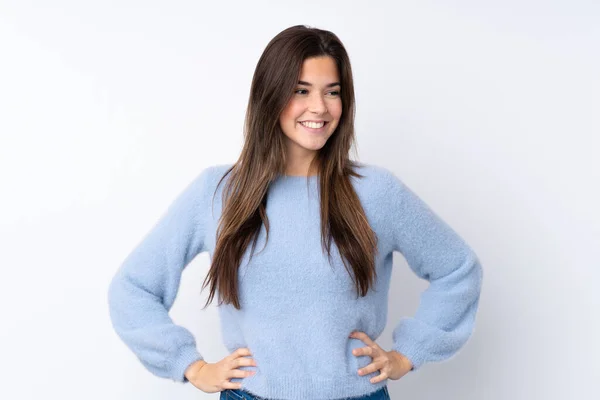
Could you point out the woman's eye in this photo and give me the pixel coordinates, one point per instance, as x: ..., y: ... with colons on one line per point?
x: 334, y: 93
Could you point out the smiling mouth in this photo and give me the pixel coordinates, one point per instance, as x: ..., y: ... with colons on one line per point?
x: 314, y: 125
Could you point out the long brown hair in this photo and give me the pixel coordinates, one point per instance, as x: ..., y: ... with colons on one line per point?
x: 263, y: 158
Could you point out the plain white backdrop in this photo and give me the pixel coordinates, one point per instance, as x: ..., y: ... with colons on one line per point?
x: 489, y: 111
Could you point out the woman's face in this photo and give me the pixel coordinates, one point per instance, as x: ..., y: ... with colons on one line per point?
x: 316, y: 98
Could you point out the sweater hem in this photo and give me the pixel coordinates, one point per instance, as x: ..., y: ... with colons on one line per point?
x: 344, y: 387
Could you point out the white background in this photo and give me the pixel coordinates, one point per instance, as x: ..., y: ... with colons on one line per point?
x: 488, y: 110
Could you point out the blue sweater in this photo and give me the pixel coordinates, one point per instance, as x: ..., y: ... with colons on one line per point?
x: 297, y: 311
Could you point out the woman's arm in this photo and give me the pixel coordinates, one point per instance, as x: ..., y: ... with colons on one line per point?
x: 144, y: 288
x: 445, y: 317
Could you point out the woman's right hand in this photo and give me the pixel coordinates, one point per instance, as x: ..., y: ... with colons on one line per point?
x: 215, y: 377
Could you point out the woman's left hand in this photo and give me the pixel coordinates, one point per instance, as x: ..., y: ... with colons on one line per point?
x: 391, y: 364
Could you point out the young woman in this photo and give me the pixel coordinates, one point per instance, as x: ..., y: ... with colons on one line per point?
x: 302, y: 306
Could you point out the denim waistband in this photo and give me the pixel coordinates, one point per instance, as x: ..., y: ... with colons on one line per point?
x: 240, y: 394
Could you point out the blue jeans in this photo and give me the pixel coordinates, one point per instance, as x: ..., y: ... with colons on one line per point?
x: 239, y: 394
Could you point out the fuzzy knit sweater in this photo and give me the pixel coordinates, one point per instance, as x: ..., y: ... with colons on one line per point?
x: 297, y: 309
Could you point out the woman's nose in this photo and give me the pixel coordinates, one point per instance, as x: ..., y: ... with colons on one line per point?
x: 317, y: 105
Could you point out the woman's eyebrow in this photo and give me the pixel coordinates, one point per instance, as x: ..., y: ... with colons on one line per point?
x: 310, y: 84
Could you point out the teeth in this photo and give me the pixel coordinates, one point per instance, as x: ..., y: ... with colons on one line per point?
x: 314, y: 125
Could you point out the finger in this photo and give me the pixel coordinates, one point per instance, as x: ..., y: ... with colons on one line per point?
x: 244, y: 361
x: 382, y: 376
x: 373, y: 367
x: 363, y: 351
x: 231, y: 385
x: 239, y: 373
x: 363, y: 336
x: 368, y: 369
x: 242, y: 351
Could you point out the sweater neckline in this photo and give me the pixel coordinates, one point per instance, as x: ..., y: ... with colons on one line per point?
x: 297, y: 177
x: 297, y: 180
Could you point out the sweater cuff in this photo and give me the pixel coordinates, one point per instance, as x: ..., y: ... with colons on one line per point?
x: 187, y: 356
x: 412, y: 352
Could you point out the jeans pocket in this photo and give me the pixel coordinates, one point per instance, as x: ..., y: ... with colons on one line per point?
x: 233, y: 394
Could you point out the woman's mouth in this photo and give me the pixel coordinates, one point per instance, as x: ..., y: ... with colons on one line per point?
x: 314, y: 127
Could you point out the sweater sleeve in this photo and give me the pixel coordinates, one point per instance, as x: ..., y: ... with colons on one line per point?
x: 145, y: 285
x: 445, y: 317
